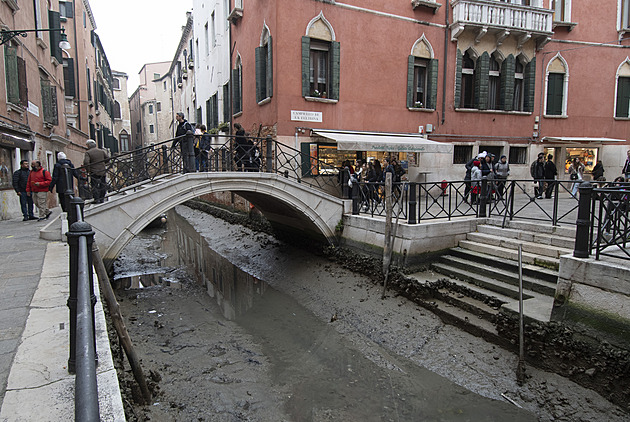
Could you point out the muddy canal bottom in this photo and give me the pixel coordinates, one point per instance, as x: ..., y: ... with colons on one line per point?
x: 224, y: 345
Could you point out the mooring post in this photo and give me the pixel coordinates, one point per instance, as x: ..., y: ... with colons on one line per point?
x: 582, y: 249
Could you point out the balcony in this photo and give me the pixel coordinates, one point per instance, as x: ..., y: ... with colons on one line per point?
x: 485, y: 17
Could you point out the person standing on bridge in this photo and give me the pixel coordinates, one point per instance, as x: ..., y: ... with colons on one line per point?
x: 95, y: 163
x: 184, y: 135
x: 59, y: 179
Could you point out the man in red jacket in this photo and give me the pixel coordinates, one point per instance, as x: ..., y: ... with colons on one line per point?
x: 37, y: 186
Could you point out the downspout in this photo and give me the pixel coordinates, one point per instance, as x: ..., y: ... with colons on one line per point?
x: 445, y: 63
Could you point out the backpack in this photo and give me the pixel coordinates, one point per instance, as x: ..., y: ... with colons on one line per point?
x: 532, y: 169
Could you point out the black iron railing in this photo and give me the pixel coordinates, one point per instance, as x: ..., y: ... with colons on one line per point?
x: 609, y: 233
x: 83, y: 358
x: 127, y: 170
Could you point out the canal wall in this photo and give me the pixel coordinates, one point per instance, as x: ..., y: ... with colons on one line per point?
x: 414, y: 243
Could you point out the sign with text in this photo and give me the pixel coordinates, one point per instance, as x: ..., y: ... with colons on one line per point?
x: 306, y: 116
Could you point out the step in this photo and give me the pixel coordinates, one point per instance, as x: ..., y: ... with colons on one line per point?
x: 488, y: 283
x: 528, y: 236
x: 507, y: 243
x: 508, y: 276
x: 536, y: 308
x: 528, y: 258
x: 539, y: 273
x: 475, y: 306
x: 529, y: 226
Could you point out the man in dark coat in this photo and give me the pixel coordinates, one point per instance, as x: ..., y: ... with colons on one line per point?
x: 20, y: 180
x: 538, y: 173
x: 59, y: 179
x: 95, y: 162
x: 241, y: 148
x: 187, y: 142
x: 551, y: 171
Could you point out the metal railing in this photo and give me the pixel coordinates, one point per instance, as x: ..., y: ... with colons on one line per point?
x: 176, y: 156
x: 83, y: 358
x: 609, y: 232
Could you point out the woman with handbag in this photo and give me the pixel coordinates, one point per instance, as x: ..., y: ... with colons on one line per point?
x: 576, y: 173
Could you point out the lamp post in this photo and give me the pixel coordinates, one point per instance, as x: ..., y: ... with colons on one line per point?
x: 6, y: 36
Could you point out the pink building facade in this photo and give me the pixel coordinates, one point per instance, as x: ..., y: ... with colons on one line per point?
x: 513, y: 78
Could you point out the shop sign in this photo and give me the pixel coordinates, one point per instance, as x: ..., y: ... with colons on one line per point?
x: 306, y: 116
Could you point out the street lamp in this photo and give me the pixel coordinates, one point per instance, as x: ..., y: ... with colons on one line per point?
x: 6, y: 36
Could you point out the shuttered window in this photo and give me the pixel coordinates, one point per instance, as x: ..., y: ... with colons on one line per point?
x: 623, y: 97
x: 320, y: 68
x: 226, y: 102
x: 555, y: 94
x: 55, y: 36
x: 49, y: 102
x: 422, y: 77
x: 237, y: 100
x: 68, y: 77
x: 264, y: 71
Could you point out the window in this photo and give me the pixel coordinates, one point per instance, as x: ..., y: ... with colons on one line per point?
x: 165, y: 86
x: 320, y: 61
x: 462, y: 154
x: 158, y: 106
x: 212, y: 111
x: 115, y: 83
x: 15, y: 72
x: 561, y: 10
x: 237, y: 81
x: 625, y: 14
x: 55, y: 36
x: 150, y: 108
x: 49, y: 101
x: 467, y: 82
x: 622, y: 105
x: 68, y: 77
x: 124, y: 141
x: 117, y: 114
x: 156, y: 76
x: 264, y: 68
x: 494, y: 84
x: 519, y: 86
x: 213, y: 29
x: 518, y: 155
x: 557, y: 80
x: 89, y: 82
x: 422, y: 73
x: 226, y: 102
x: 151, y: 129
x: 65, y: 9
x: 207, y: 35
x: 38, y: 19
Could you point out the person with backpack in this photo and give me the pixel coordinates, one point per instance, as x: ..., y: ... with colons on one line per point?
x: 502, y: 171
x: 20, y: 181
x: 551, y: 171
x: 39, y: 180
x: 59, y: 179
x: 537, y: 171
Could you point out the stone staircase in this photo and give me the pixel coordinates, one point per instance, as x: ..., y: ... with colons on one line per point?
x: 478, y: 280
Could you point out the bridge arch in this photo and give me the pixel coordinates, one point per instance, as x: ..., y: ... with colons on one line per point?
x: 283, y: 201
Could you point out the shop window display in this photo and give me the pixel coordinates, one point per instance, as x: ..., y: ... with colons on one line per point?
x: 588, y: 157
x: 6, y: 169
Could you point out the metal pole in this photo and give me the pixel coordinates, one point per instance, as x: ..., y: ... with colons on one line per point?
x: 269, y: 155
x: 484, y: 194
x: 581, y: 249
x: 413, y: 203
x: 68, y: 192
x: 520, y: 372
x: 356, y: 197
x: 86, y: 391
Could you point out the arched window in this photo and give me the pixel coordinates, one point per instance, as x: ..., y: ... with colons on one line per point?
x: 264, y: 67
x: 320, y: 60
x: 467, y: 99
x: 494, y: 83
x: 237, y: 83
x: 557, y: 84
x: 117, y: 114
x: 422, y: 73
x: 622, y: 105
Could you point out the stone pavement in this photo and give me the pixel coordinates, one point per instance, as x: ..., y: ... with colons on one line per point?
x: 34, y: 331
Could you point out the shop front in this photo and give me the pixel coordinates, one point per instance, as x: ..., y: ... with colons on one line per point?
x: 14, y: 147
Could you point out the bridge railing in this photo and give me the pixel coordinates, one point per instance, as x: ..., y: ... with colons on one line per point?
x: 128, y: 170
x: 609, y: 233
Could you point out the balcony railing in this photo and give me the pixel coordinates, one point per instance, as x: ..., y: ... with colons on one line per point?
x: 491, y: 13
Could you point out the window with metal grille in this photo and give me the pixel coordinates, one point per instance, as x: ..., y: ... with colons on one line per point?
x: 462, y: 154
x: 518, y: 155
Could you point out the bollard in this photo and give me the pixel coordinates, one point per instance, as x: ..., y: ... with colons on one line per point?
x: 413, y: 203
x: 269, y: 155
x: 356, y: 198
x: 483, y: 198
x: 582, y: 231
x: 77, y: 230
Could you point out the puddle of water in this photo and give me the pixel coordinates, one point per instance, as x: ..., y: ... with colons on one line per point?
x: 322, y: 374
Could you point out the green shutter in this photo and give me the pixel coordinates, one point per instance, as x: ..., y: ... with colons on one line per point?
x: 335, y: 63
x: 410, y: 76
x: 55, y: 36
x: 555, y: 94
x: 506, y: 99
x: 623, y: 97
x: 226, y: 102
x: 529, y: 83
x: 11, y: 69
x: 236, y: 92
x: 306, y: 66
x: 68, y: 77
x: 260, y: 74
x: 432, y: 83
x: 482, y: 79
x: 305, y: 149
x: 23, y: 86
x: 269, y: 70
x: 208, y: 114
x: 458, y: 78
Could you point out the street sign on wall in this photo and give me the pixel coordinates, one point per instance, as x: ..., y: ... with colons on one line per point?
x: 306, y: 116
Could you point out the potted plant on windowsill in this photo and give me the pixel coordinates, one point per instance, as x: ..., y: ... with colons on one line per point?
x: 316, y: 94
x: 324, y: 94
x: 418, y: 104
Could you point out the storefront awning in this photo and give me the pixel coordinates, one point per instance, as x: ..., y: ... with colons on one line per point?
x: 12, y: 141
x: 578, y: 140
x: 387, y: 142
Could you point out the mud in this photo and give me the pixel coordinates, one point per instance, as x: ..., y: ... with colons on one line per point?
x: 231, y: 377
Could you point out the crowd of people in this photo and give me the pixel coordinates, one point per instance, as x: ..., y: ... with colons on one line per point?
x: 370, y: 176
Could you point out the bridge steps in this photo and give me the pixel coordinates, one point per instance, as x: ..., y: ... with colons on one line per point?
x: 479, y: 279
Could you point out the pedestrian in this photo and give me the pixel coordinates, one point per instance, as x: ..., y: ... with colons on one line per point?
x: 576, y: 173
x: 241, y: 147
x: 37, y: 186
x: 598, y: 173
x: 59, y: 179
x: 95, y: 163
x: 502, y: 171
x: 20, y: 182
x: 551, y: 171
x: 626, y: 167
x: 205, y: 143
x: 475, y: 181
x: 182, y: 138
x: 537, y: 171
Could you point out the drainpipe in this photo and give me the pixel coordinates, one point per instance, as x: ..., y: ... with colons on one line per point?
x: 445, y: 63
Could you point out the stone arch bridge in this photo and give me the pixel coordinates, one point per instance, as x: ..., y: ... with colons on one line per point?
x: 284, y: 202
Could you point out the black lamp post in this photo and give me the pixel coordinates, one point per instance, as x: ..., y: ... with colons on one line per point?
x: 6, y: 36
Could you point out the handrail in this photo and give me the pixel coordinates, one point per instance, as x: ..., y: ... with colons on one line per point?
x: 81, y: 301
x: 609, y: 223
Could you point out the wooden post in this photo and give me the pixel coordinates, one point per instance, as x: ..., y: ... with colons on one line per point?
x: 119, y: 324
